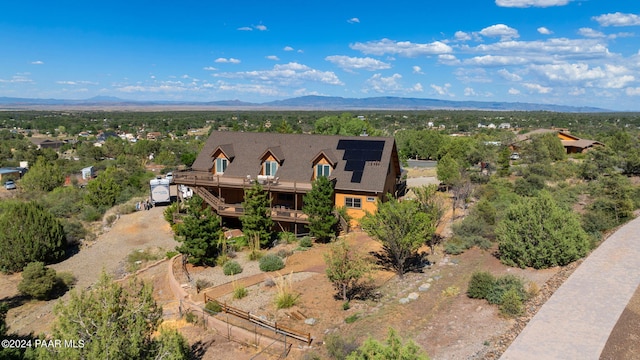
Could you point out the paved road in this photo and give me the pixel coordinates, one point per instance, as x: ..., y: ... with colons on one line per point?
x: 576, y: 321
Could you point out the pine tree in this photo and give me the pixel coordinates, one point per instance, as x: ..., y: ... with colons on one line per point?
x: 318, y: 205
x: 199, y: 233
x: 256, y: 218
x: 43, y: 176
x: 29, y: 233
x: 112, y: 321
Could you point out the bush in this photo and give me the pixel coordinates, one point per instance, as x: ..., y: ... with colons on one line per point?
x: 511, y: 304
x: 338, y: 347
x: 351, y: 318
x: 231, y: 268
x: 38, y: 281
x: 240, y: 292
x: 305, y: 242
x: 213, y: 307
x: 480, y: 285
x: 287, y: 237
x: 221, y: 260
x: 504, y: 284
x: 270, y: 263
x: 90, y: 214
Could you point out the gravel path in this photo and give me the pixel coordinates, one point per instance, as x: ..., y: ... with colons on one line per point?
x: 576, y: 321
x: 109, y: 251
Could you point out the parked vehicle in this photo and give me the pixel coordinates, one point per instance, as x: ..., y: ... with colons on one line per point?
x: 515, y: 156
x: 10, y: 185
x: 169, y: 177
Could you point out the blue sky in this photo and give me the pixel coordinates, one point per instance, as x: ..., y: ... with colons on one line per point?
x: 569, y: 52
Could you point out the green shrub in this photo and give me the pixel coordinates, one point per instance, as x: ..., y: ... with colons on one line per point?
x: 271, y: 262
x: 480, y: 285
x: 231, y: 268
x: 305, y: 242
x: 352, y: 318
x: 222, y: 259
x: 287, y: 237
x: 191, y: 318
x: 511, y: 304
x: 240, y: 292
x: 338, y: 347
x: 65, y: 280
x: 90, y: 214
x: 213, y: 307
x: 504, y: 284
x: 38, y: 281
x: 170, y: 254
x: 286, y: 300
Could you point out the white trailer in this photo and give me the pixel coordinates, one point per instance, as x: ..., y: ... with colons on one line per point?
x: 160, y: 191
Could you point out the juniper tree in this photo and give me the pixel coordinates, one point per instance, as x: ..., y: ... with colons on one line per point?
x: 318, y: 205
x: 256, y: 219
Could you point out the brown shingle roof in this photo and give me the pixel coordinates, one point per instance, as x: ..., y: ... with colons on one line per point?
x: 361, y: 163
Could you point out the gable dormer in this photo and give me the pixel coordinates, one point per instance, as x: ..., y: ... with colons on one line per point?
x: 271, y: 159
x: 324, y: 163
x: 222, y: 156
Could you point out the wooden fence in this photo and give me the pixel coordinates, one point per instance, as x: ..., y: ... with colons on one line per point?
x: 270, y: 325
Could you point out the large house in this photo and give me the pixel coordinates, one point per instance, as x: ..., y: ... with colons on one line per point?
x: 364, y: 170
x: 572, y: 144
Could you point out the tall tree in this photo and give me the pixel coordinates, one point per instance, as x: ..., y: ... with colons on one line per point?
x: 112, y: 322
x: 29, y: 233
x: 504, y: 163
x: 318, y: 205
x: 345, y: 268
x: 257, y: 214
x: 42, y: 176
x: 103, y: 191
x: 199, y: 233
x: 401, y: 227
x: 448, y: 170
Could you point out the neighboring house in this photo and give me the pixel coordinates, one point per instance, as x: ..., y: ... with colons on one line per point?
x: 11, y: 173
x: 154, y: 135
x: 572, y: 144
x: 41, y: 143
x: 363, y: 169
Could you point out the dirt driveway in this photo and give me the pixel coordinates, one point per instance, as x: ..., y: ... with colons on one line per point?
x: 136, y: 231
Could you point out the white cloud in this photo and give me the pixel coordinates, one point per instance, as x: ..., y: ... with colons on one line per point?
x: 403, y: 48
x: 249, y: 88
x: 544, y: 31
x: 286, y: 74
x: 617, y: 19
x: 545, y: 51
x: 513, y: 91
x: 354, y: 20
x: 500, y: 30
x: 462, y: 36
x: 448, y: 59
x: 590, y: 33
x: 417, y: 88
x: 632, y: 91
x: 496, y: 60
x: 442, y: 90
x: 258, y: 27
x: 288, y: 48
x: 509, y: 75
x: 76, y: 83
x: 380, y: 84
x: 37, y: 62
x: 225, y: 60
x: 531, y: 3
x: 476, y: 75
x: 417, y: 69
x: 577, y: 91
x: 209, y: 68
x: 569, y: 72
x: 356, y: 63
x: 469, y: 92
x: 537, y: 88
x: 20, y: 78
x: 272, y: 57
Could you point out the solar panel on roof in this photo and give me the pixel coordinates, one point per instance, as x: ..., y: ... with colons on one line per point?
x: 357, y: 153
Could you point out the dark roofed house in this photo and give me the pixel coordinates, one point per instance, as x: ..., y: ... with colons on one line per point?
x: 572, y: 144
x: 47, y: 143
x: 364, y: 170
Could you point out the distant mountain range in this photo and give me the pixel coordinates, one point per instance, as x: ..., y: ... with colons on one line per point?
x: 298, y: 103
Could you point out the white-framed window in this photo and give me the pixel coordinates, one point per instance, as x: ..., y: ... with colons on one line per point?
x: 270, y: 168
x: 221, y: 165
x: 323, y: 170
x: 355, y: 203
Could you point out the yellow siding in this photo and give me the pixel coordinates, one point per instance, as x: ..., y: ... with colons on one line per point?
x: 322, y: 161
x: 357, y: 214
x: 565, y: 137
x: 217, y: 155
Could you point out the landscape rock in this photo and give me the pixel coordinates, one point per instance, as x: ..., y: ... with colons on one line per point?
x: 404, y: 300
x: 413, y: 296
x: 310, y: 321
x: 424, y: 287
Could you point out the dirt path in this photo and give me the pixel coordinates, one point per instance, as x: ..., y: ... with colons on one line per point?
x: 131, y: 232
